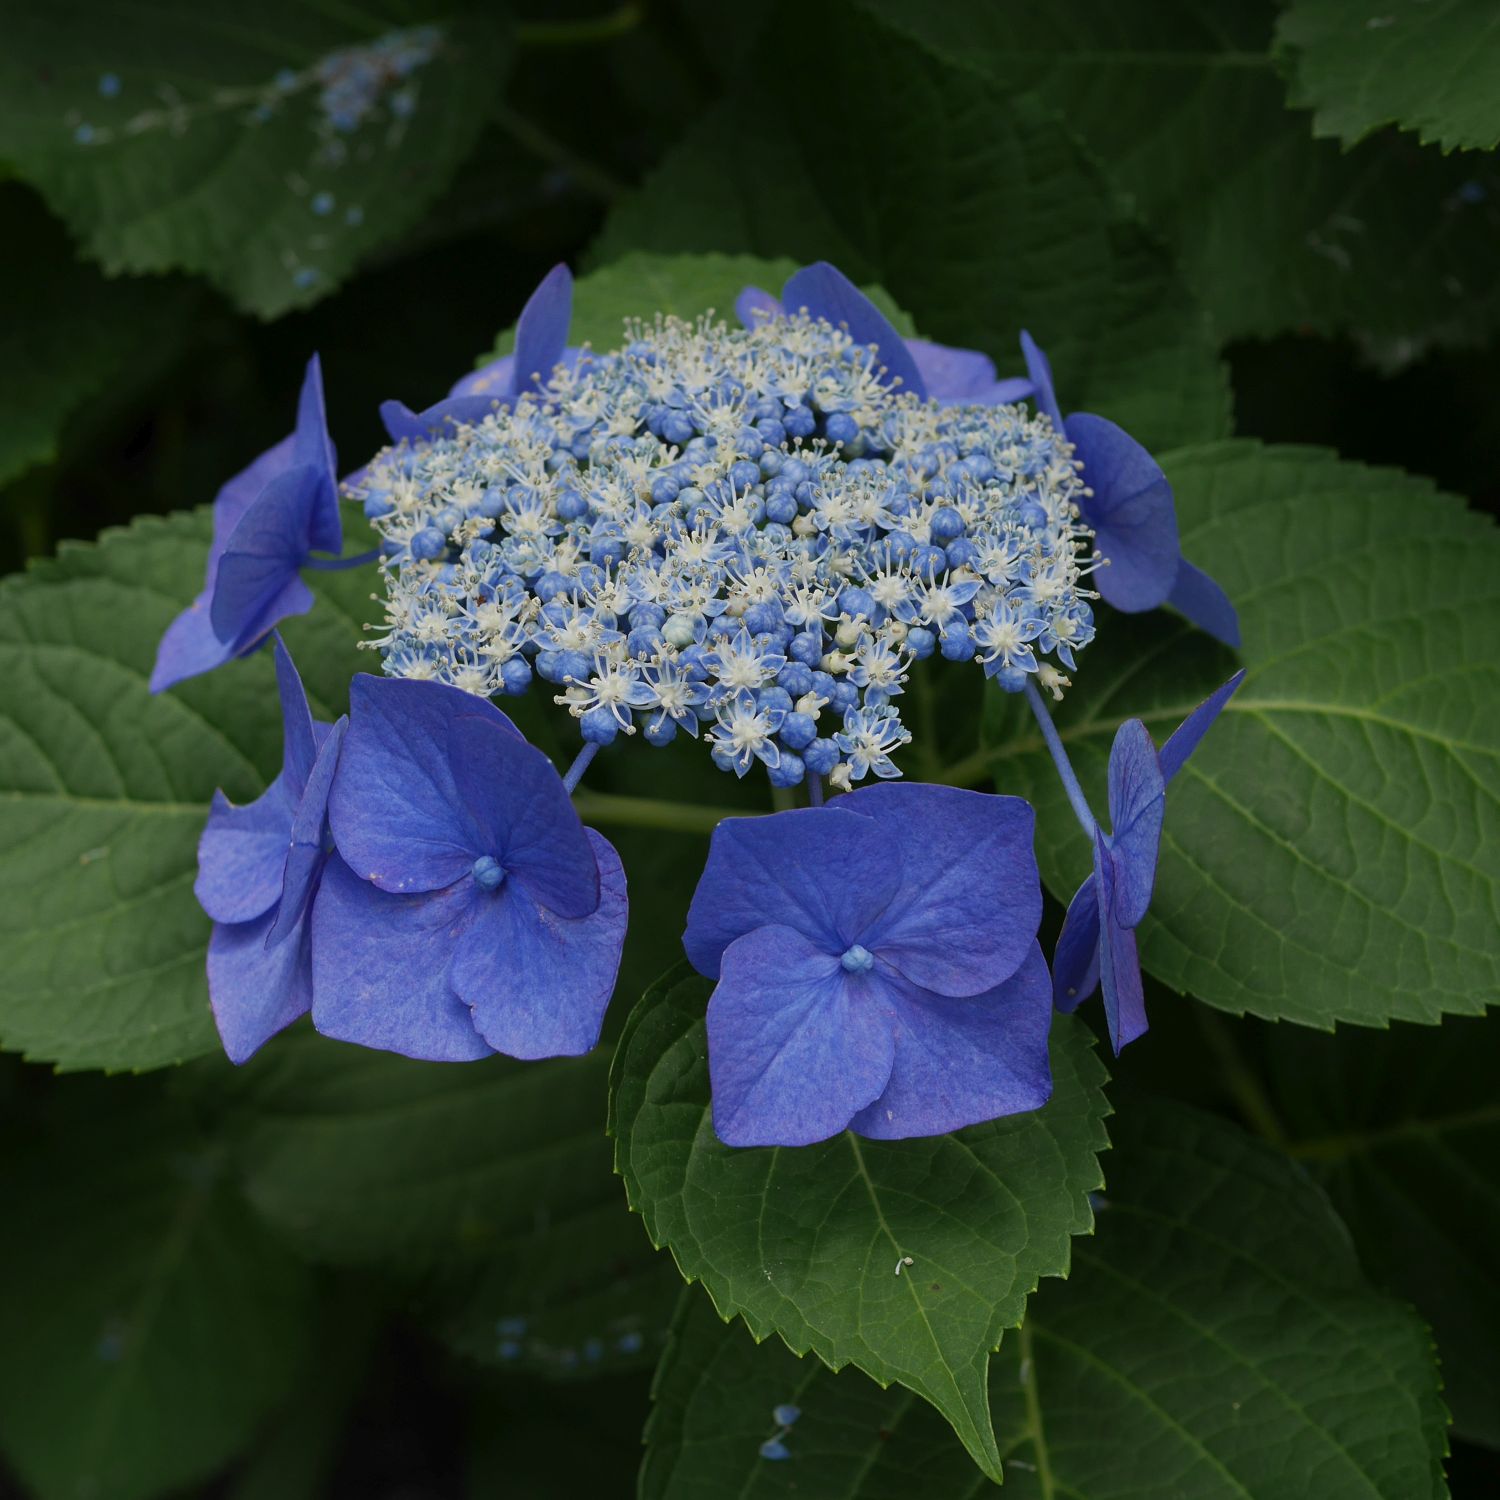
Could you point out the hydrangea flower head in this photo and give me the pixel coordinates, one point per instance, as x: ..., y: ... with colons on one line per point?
x: 1097, y: 947
x: 754, y: 533
x: 877, y: 967
x: 468, y: 910
x: 267, y: 520
x: 1129, y: 507
x: 259, y: 867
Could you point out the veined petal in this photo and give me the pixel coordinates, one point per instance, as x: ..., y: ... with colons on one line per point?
x: 1119, y: 963
x: 1039, y: 370
x: 962, y: 1061
x: 255, y: 991
x: 492, y: 379
x: 963, y: 376
x: 189, y: 647
x: 1075, y: 960
x: 242, y: 854
x: 754, y: 305
x: 1137, y: 803
x: 796, y: 1047
x: 827, y: 293
x: 524, y: 816
x: 970, y: 898
x: 538, y: 984
x: 299, y: 745
x: 1198, y: 597
x: 1131, y: 512
x: 542, y: 330
x: 397, y: 815
x: 404, y: 424
x: 237, y: 495
x: 821, y: 871
x: 380, y: 967
x: 308, y: 851
x: 311, y: 445
x: 262, y: 557
x: 1186, y: 737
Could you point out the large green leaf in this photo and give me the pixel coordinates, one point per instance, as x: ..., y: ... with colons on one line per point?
x: 80, y: 332
x: 1215, y: 1340
x: 906, y: 1258
x: 489, y: 1186
x: 1403, y: 1129
x: 1181, y: 103
x: 987, y: 219
x: 1332, y: 851
x: 197, y: 136
x: 1425, y: 65
x: 104, y: 789
x: 148, y: 1324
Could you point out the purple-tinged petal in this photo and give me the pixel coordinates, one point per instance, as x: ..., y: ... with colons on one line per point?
x: 1119, y: 963
x: 312, y: 446
x: 524, y: 816
x: 1039, y: 371
x: 242, y: 854
x: 796, y: 1047
x: 970, y: 899
x: 1184, y: 739
x: 493, y: 379
x: 1130, y: 511
x: 822, y: 871
x: 1075, y: 960
x: 963, y: 376
x: 825, y: 292
x: 261, y: 559
x: 256, y: 991
x: 404, y: 424
x: 964, y: 1061
x: 542, y: 330
x: 396, y: 812
x: 308, y: 849
x: 538, y: 984
x: 1197, y: 596
x: 189, y: 647
x: 299, y: 744
x: 755, y: 305
x: 380, y: 967
x: 237, y: 495
x: 1137, y: 802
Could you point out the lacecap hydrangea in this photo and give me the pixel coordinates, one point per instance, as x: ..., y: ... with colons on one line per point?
x: 747, y: 534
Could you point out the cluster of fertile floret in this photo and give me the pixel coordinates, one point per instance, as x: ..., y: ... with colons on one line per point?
x: 745, y: 531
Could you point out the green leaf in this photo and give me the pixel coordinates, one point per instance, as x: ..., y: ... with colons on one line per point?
x: 1425, y: 65
x: 813, y: 1243
x: 104, y: 789
x: 166, y: 142
x: 937, y: 222
x: 1181, y: 103
x: 1331, y: 853
x: 489, y: 1186
x: 1403, y: 1130
x: 1215, y: 1339
x: 148, y: 1324
x: 80, y: 332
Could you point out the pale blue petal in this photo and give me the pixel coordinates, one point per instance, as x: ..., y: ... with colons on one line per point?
x: 242, y: 853
x: 1198, y: 597
x: 1075, y: 960
x: 255, y: 991
x: 1186, y: 737
x: 1137, y: 801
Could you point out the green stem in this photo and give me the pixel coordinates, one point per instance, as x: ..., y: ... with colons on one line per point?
x: 581, y: 33
x: 1245, y: 1088
x: 558, y: 154
x: 650, y: 812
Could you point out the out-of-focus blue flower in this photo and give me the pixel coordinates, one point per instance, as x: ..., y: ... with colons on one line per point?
x: 541, y: 345
x: 1096, y: 948
x: 259, y: 867
x: 1132, y: 516
x: 468, y: 910
x: 267, y: 520
x: 948, y: 376
x: 877, y: 967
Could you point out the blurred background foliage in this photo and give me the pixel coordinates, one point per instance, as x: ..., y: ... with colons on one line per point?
x: 165, y: 283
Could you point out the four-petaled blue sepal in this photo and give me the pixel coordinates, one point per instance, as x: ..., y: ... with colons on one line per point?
x: 467, y: 910
x: 259, y: 867
x: 1133, y: 517
x: 877, y: 967
x: 1096, y: 948
x: 949, y: 376
x: 541, y: 345
x: 267, y: 520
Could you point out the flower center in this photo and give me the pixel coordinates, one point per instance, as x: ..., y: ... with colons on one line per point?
x: 488, y: 872
x: 857, y: 960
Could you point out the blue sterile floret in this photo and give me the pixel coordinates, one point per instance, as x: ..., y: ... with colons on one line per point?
x: 745, y: 533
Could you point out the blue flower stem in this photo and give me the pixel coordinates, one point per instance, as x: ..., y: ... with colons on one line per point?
x: 1060, y: 759
x: 338, y: 564
x: 580, y: 765
x: 815, y: 791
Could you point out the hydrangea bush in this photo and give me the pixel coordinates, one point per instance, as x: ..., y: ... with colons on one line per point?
x: 713, y: 902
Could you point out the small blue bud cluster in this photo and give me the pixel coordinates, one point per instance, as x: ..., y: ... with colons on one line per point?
x: 353, y: 80
x: 745, y: 531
